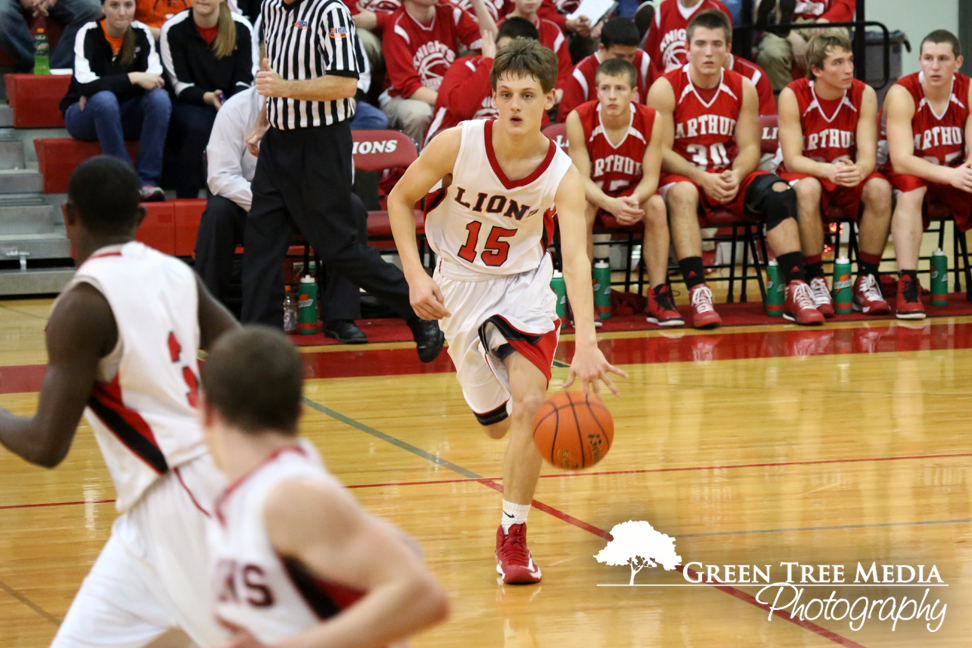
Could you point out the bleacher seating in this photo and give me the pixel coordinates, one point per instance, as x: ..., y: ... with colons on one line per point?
x: 35, y: 99
x: 58, y: 157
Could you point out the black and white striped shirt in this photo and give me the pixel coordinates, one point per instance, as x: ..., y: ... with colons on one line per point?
x: 305, y: 40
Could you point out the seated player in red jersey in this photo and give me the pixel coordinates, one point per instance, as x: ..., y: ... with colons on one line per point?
x: 550, y: 36
x: 619, y: 39
x: 710, y: 153
x: 928, y: 129
x: 767, y: 102
x: 666, y: 36
x: 465, y: 92
x: 617, y: 147
x: 828, y: 140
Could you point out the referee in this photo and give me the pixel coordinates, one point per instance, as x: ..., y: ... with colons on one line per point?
x: 304, y: 166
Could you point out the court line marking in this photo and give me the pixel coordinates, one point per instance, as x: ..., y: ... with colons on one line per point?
x: 26, y: 601
x: 491, y: 483
x: 575, y: 475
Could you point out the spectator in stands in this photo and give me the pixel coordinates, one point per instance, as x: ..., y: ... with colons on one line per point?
x: 666, y: 44
x: 616, y: 145
x: 778, y: 55
x: 17, y: 41
x: 551, y: 37
x: 208, y: 55
x: 231, y: 169
x: 117, y: 93
x: 928, y: 126
x: 828, y: 140
x: 465, y: 92
x: 154, y: 13
x: 421, y: 41
x: 619, y: 39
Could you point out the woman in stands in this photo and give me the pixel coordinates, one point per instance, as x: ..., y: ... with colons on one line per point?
x: 208, y: 55
x: 116, y: 92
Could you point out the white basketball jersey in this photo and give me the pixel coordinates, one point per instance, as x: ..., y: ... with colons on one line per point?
x: 255, y: 588
x: 143, y: 404
x: 487, y: 223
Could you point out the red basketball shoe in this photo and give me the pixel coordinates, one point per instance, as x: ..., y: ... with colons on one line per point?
x: 821, y: 296
x: 703, y: 314
x: 908, y: 303
x: 513, y: 560
x: 800, y: 306
x: 868, y: 298
x: 661, y: 308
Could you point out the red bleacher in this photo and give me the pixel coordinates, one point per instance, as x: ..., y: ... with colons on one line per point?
x: 57, y: 158
x: 35, y: 99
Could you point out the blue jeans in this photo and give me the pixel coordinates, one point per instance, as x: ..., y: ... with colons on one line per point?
x: 17, y: 41
x: 145, y: 118
x: 367, y: 117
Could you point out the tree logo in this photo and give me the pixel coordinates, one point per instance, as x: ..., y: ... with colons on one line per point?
x: 638, y: 545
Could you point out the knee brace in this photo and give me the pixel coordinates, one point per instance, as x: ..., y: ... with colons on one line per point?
x: 777, y: 206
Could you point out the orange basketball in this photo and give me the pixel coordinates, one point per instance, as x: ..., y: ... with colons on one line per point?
x: 573, y: 431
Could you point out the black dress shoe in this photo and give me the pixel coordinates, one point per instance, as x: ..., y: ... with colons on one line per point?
x: 428, y: 339
x: 345, y: 332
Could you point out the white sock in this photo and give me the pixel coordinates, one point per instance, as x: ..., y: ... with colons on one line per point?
x: 514, y: 514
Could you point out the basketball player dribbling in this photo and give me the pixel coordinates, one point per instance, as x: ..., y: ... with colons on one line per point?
x: 491, y: 288
x: 294, y: 558
x: 122, y: 340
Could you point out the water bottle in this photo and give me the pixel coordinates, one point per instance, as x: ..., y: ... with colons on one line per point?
x: 939, y: 278
x: 775, y: 297
x: 602, y: 289
x: 290, y: 312
x: 842, y: 287
x: 42, y: 50
x: 307, y: 302
x: 560, y: 289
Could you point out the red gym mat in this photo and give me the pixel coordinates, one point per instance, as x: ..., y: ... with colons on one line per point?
x: 748, y: 314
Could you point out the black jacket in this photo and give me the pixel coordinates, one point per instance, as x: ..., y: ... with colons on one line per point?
x: 191, y: 65
x: 96, y: 68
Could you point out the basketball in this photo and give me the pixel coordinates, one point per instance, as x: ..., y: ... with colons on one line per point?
x: 572, y: 430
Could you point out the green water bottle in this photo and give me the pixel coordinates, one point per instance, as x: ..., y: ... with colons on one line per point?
x: 307, y: 306
x: 42, y: 50
x: 602, y: 289
x: 775, y: 297
x: 842, y: 287
x: 560, y: 289
x: 939, y: 279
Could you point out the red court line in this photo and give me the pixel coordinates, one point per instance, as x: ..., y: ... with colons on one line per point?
x: 487, y: 480
x: 796, y: 342
x: 728, y: 589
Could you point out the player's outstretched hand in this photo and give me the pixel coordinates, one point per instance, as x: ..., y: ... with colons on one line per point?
x: 426, y: 298
x: 590, y: 366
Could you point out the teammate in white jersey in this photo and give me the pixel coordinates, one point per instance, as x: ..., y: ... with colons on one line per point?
x: 122, y: 340
x: 491, y: 288
x: 295, y: 560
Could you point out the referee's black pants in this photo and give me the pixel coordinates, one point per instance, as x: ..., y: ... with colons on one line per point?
x: 221, y: 231
x: 303, y: 181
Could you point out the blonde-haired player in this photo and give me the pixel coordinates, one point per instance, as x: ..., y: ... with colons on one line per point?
x: 491, y: 289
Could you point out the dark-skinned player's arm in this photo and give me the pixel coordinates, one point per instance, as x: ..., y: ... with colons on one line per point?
x: 436, y: 162
x: 322, y: 526
x: 80, y: 332
x: 748, y: 134
x: 588, y: 363
x: 214, y: 318
x: 899, y: 106
x: 661, y: 97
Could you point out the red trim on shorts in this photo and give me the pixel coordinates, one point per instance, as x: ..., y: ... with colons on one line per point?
x: 522, y: 182
x: 191, y: 496
x: 494, y: 410
x: 540, y: 354
x: 217, y: 508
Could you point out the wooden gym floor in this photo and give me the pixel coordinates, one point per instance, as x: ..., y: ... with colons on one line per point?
x: 749, y: 446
